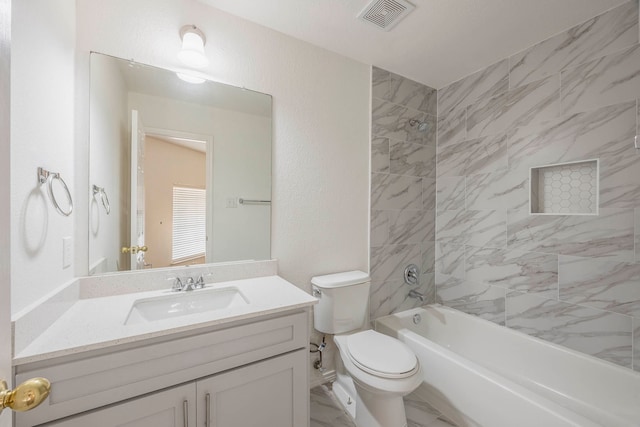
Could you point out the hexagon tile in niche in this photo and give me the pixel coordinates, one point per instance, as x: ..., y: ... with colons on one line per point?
x: 565, y: 189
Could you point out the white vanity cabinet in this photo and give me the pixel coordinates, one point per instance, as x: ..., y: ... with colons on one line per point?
x: 267, y: 393
x: 252, y: 373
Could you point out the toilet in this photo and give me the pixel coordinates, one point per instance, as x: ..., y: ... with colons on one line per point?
x: 374, y: 371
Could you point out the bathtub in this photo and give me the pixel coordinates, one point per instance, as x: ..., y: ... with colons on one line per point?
x: 480, y: 374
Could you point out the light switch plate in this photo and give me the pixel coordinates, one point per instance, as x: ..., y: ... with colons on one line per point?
x: 67, y: 251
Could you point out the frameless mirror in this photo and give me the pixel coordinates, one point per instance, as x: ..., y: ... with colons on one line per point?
x: 180, y: 172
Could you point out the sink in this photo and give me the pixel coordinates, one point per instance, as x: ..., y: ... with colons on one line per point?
x: 184, y: 303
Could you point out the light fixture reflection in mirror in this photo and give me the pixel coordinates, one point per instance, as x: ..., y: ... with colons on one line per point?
x: 190, y: 79
x: 176, y: 157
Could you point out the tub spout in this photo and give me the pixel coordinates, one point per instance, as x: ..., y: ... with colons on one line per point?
x: 415, y: 294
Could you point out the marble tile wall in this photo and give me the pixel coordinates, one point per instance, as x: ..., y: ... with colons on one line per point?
x: 572, y: 280
x: 403, y: 190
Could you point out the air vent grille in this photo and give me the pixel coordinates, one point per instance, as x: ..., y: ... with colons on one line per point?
x: 385, y: 14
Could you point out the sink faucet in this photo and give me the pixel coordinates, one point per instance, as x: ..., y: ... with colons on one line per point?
x: 188, y: 284
x: 415, y: 294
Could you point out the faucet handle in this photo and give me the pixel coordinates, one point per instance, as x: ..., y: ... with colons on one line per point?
x: 200, y: 282
x: 177, y: 284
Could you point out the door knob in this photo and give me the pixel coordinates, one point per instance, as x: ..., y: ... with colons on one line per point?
x: 134, y: 249
x: 26, y: 396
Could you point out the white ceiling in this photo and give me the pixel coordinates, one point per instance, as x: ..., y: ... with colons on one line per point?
x: 440, y: 42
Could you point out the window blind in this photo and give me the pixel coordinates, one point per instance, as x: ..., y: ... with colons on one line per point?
x: 189, y: 223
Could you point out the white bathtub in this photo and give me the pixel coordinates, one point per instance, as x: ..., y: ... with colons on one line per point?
x: 481, y: 374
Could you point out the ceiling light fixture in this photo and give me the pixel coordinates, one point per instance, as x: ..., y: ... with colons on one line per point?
x: 192, y: 52
x: 190, y: 78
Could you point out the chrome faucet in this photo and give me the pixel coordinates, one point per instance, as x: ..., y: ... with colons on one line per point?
x: 188, y: 284
x: 415, y: 294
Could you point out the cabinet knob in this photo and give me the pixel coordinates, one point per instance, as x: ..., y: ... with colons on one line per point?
x: 26, y: 396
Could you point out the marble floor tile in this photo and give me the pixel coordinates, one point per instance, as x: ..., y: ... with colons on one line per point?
x: 608, y: 235
x: 476, y: 156
x: 608, y: 80
x: 412, y: 159
x: 450, y: 193
x: 595, y: 332
x: 477, y: 228
x: 607, y: 285
x: 485, y: 301
x: 523, y: 271
x: 395, y: 192
x: 486, y: 83
x: 326, y: 411
x: 597, y: 37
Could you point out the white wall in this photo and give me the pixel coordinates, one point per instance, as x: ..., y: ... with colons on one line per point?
x: 42, y: 134
x: 109, y: 163
x: 320, y: 119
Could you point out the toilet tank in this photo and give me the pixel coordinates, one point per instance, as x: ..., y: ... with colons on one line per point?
x: 343, y: 301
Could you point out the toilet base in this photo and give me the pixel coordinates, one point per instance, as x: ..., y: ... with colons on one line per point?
x: 379, y: 410
x: 345, y: 391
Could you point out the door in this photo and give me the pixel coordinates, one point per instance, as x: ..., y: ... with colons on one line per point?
x: 137, y: 190
x: 269, y: 393
x: 5, y: 276
x: 174, y: 407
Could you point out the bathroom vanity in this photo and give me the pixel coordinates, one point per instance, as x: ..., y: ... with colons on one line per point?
x: 241, y: 363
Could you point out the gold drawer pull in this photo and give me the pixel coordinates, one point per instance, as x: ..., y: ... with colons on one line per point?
x: 26, y: 396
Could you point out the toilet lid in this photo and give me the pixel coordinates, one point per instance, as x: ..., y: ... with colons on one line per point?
x: 381, y: 355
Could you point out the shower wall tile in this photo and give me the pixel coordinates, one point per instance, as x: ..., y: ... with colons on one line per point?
x: 485, y: 301
x: 429, y: 193
x: 607, y: 285
x: 488, y: 82
x: 399, y: 299
x: 428, y: 257
x: 379, y: 228
x: 452, y: 128
x: 390, y: 120
x: 507, y: 189
x: 595, y: 332
x: 482, y: 155
x: 608, y: 235
x: 619, y: 181
x: 412, y: 94
x: 532, y: 103
x: 606, y: 131
x: 380, y: 155
x: 612, y: 79
x: 412, y: 159
x: 636, y: 344
x: 388, y: 262
x: 380, y: 83
x: 395, y: 192
x: 602, y: 35
x: 450, y: 193
x: 522, y: 271
x: 410, y: 226
x: 477, y: 228
x: 449, y: 260
x: 637, y: 229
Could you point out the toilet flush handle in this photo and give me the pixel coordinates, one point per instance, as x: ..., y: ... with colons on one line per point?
x: 317, y: 293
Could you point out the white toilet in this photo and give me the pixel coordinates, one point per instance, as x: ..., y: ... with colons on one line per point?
x: 374, y: 371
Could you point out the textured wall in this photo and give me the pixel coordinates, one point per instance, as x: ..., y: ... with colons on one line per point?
x: 572, y: 280
x: 402, y: 190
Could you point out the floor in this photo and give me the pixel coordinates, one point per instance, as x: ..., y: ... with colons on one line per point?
x: 327, y: 412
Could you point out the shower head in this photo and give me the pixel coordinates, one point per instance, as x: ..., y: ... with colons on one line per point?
x: 422, y: 126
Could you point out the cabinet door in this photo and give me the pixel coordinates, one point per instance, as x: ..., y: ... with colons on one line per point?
x: 163, y: 409
x: 272, y: 393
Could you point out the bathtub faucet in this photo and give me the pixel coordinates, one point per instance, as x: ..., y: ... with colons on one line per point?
x: 415, y: 294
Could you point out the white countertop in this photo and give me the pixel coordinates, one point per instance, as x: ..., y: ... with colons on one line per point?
x: 97, y: 323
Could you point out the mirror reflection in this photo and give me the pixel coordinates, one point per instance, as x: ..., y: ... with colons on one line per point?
x: 180, y: 172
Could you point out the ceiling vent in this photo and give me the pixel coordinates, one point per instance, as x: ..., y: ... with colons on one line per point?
x: 385, y: 14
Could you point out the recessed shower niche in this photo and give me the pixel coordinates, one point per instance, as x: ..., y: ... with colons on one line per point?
x: 565, y: 189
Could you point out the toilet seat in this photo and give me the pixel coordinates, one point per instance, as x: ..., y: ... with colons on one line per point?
x: 381, y: 355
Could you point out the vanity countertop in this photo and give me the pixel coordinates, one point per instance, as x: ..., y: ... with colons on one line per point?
x: 98, y: 323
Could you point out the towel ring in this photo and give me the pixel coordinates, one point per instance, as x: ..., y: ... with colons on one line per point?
x: 103, y: 197
x: 44, y: 176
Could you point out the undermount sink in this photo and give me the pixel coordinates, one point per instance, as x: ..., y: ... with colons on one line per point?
x: 184, y: 303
